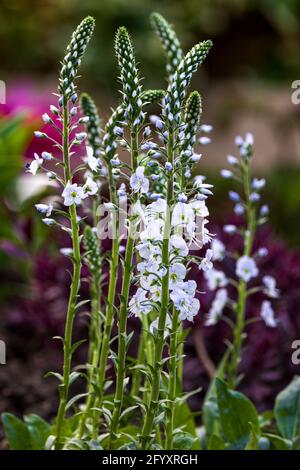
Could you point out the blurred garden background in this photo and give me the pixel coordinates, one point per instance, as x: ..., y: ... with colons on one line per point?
x: 246, y: 84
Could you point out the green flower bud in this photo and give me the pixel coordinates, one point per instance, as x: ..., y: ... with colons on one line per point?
x: 89, y: 110
x: 92, y: 251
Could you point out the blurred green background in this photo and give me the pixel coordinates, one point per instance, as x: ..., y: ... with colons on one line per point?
x: 245, y: 82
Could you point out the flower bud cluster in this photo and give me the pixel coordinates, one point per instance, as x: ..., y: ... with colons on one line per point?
x: 169, y: 41
x: 92, y: 250
x: 130, y: 80
x: 90, y: 111
x: 72, y: 59
x: 180, y: 81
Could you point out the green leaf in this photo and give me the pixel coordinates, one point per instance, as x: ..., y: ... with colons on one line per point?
x: 39, y: 430
x: 74, y: 399
x: 16, y: 432
x: 236, y: 412
x: 277, y: 442
x: 185, y: 418
x: 211, y: 418
x: 215, y: 443
x: 253, y: 442
x: 287, y: 411
x: 184, y: 441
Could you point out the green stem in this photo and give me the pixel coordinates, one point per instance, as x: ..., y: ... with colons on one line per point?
x: 94, y: 351
x: 238, y: 333
x: 109, y: 314
x: 64, y: 386
x: 122, y: 326
x: 172, y: 380
x: 159, y: 345
x: 136, y: 376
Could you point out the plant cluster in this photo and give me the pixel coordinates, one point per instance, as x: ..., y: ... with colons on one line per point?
x: 159, y: 210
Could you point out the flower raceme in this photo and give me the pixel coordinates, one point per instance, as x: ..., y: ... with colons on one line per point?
x: 249, y: 281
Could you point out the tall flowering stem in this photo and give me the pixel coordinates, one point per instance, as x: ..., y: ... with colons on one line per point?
x: 71, y: 62
x: 132, y: 103
x: 187, y: 141
x: 94, y: 261
x: 172, y: 120
x: 250, y: 208
x: 92, y: 248
x: 109, y: 152
x: 252, y: 215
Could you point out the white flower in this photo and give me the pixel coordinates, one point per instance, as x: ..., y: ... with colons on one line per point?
x: 246, y: 268
x: 262, y: 252
x: 139, y: 303
x: 215, y: 278
x: 91, y: 160
x: 54, y: 109
x: 204, y: 236
x: 150, y: 274
x: 258, y: 184
x: 147, y: 249
x: 187, y: 306
x: 199, y: 208
x: 189, y: 287
x: 153, y: 231
x: 230, y: 229
x: 35, y: 164
x: 46, y: 118
x: 232, y: 160
x: 44, y: 209
x: 183, y: 216
x: 206, y: 128
x: 177, y: 274
x: 206, y: 263
x: 270, y: 287
x: 90, y: 188
x: 66, y: 251
x: 73, y: 194
x: 204, y: 140
x: 47, y: 156
x: 153, y: 328
x: 138, y: 182
x: 226, y: 174
x: 137, y: 210
x: 267, y: 314
x: 239, y: 209
x: 48, y: 221
x: 244, y: 144
x: 156, y: 210
x: 122, y: 190
x: 155, y: 293
x: 81, y: 136
x: 217, y: 307
x: 196, y: 157
x: 178, y: 246
x: 218, y: 249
